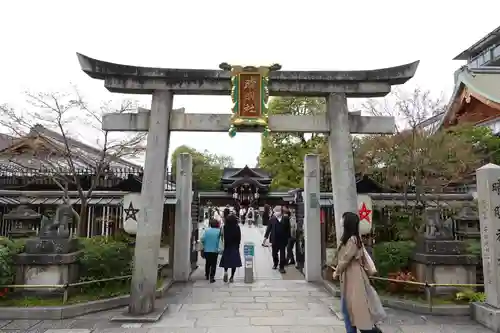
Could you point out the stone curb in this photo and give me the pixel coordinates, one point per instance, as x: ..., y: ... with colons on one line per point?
x: 73, y: 310
x: 437, y: 310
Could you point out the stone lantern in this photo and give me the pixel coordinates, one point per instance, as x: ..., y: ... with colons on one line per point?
x: 25, y: 220
x: 467, y: 224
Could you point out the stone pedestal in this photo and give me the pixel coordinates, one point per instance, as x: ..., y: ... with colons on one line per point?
x: 312, y: 226
x: 47, y: 262
x: 488, y: 191
x: 441, y: 259
x: 444, y: 262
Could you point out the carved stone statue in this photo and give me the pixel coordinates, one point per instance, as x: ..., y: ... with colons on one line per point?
x: 431, y: 223
x: 52, y: 257
x: 58, y: 227
x: 434, y: 227
x: 447, y: 229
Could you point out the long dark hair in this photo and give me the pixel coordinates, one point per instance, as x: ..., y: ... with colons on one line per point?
x: 351, y: 228
x: 231, y: 221
x: 214, y: 223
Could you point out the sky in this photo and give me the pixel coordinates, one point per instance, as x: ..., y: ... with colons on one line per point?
x: 40, y: 40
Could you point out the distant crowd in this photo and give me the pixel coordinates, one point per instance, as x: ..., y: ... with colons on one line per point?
x: 223, y: 237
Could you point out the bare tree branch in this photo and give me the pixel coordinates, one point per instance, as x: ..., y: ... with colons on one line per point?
x: 415, y: 160
x: 52, y: 125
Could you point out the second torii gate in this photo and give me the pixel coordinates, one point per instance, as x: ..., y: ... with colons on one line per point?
x: 163, y: 84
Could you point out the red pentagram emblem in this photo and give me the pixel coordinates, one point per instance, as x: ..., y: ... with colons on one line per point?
x: 364, y: 213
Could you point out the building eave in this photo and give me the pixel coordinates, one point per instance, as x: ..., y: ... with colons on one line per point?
x: 480, y: 45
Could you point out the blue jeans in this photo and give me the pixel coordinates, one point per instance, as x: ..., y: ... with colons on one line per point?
x: 347, y: 320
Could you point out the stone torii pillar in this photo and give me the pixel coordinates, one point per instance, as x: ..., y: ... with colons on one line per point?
x: 150, y: 217
x: 336, y: 86
x: 343, y: 176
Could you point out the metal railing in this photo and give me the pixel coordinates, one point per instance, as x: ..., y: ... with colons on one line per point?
x: 430, y: 288
x: 67, y: 286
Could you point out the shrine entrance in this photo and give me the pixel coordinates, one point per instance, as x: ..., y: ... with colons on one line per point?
x: 241, y: 189
x: 250, y: 88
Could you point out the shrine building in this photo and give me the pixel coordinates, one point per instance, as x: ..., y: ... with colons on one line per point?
x: 476, y: 96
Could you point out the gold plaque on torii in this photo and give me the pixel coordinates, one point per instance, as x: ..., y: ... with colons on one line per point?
x: 249, y: 94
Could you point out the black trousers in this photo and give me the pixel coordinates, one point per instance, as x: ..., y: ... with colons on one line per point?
x: 289, y: 250
x: 279, y: 255
x: 210, y: 263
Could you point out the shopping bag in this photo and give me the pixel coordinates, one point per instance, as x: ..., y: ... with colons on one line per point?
x: 368, y: 264
x: 375, y: 305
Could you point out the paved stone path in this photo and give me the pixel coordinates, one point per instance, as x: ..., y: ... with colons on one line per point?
x: 269, y: 305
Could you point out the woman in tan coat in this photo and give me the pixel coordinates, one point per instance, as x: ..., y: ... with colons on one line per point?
x: 353, y: 278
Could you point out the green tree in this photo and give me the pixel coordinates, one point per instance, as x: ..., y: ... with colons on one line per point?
x: 207, y: 167
x: 282, y: 154
x: 485, y: 143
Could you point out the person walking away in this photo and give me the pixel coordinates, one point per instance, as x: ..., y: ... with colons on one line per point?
x: 243, y: 213
x: 357, y: 302
x: 266, y: 214
x: 293, y: 239
x: 278, y: 232
x: 231, y: 258
x: 210, y: 241
x: 226, y: 212
x: 250, y: 217
x: 258, y: 218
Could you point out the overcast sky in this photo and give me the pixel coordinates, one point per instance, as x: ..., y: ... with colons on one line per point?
x: 40, y: 38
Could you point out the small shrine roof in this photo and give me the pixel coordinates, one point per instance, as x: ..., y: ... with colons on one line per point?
x: 236, y: 173
x: 246, y: 180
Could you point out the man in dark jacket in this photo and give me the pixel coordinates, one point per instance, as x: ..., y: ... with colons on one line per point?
x: 278, y: 232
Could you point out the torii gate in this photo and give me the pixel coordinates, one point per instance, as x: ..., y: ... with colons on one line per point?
x: 164, y: 83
